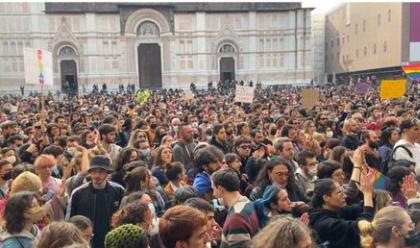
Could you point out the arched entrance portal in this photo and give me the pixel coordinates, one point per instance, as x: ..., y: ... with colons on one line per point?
x: 150, y: 67
x: 69, y: 83
x: 68, y: 68
x: 227, y: 69
x: 227, y: 63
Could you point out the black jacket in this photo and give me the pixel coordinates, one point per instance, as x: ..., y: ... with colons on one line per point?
x: 340, y: 229
x: 222, y: 146
x: 97, y: 205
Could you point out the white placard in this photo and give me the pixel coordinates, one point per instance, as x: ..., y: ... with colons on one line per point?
x: 38, y: 66
x: 244, y: 94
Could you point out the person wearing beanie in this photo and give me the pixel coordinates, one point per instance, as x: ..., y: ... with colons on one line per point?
x: 98, y: 200
x: 127, y: 236
x: 27, y: 181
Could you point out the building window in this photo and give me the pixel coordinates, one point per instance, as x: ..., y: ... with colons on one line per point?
x: 379, y: 19
x: 389, y: 15
x: 364, y: 25
x: 338, y: 41
x: 332, y: 43
x: 67, y: 51
x: 356, y: 27
x: 365, y: 51
x: 344, y: 59
x: 374, y: 48
x: 338, y: 56
x: 385, y: 47
x: 343, y: 40
x: 348, y: 38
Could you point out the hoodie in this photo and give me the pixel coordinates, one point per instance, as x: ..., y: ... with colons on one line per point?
x: 340, y: 229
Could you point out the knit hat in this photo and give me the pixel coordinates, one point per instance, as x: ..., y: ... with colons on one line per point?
x: 127, y: 236
x: 27, y: 181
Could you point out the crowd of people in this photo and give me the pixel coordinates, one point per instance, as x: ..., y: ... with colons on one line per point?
x: 103, y: 170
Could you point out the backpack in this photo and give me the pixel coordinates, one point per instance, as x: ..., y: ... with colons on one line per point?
x: 392, y: 161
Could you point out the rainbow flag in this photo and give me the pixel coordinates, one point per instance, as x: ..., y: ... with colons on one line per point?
x: 412, y: 71
x: 381, y: 180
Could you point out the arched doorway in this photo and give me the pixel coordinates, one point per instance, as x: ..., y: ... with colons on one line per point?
x: 68, y: 69
x: 149, y: 57
x: 227, y: 63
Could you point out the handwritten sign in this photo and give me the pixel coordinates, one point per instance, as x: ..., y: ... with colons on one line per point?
x: 244, y: 94
x: 188, y: 95
x: 310, y: 98
x: 390, y: 89
x: 38, y: 66
x: 362, y: 87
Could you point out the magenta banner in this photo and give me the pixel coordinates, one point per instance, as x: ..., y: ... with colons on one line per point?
x: 414, y: 22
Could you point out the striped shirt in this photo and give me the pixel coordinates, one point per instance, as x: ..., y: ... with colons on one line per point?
x: 241, y: 224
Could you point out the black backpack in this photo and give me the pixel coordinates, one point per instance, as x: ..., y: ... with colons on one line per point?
x: 393, y: 161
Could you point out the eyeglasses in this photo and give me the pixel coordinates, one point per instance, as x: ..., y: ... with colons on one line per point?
x: 245, y: 147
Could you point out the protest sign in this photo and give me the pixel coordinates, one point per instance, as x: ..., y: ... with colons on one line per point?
x: 390, y: 89
x: 38, y: 66
x: 244, y: 94
x: 362, y: 87
x: 310, y: 98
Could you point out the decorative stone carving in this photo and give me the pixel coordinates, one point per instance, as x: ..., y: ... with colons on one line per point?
x: 148, y: 28
x: 67, y: 52
x: 227, y: 48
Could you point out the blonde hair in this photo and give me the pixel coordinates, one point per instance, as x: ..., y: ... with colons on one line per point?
x: 380, y: 229
x: 285, y: 232
x: 43, y: 159
x: 60, y: 234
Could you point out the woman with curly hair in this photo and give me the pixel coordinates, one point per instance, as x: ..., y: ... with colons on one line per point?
x: 285, y: 232
x: 125, y: 156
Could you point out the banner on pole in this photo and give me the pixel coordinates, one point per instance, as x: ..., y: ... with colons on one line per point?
x: 390, y: 89
x: 310, y: 98
x: 38, y: 66
x: 244, y: 94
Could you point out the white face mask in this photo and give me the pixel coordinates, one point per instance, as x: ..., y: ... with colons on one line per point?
x: 313, y: 172
x: 154, y: 227
x: 11, y: 159
x: 330, y: 134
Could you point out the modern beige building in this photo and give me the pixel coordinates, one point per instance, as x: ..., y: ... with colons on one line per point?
x: 158, y: 44
x: 367, y: 39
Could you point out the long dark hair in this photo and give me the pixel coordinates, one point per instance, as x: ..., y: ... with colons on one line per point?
x: 124, y: 158
x: 133, y: 179
x: 14, y: 214
x: 386, y: 135
x: 263, y: 179
x: 322, y: 187
x: 396, y: 175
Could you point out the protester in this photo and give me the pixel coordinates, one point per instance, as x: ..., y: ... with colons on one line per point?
x: 284, y: 233
x: 98, y: 199
x: 60, y: 234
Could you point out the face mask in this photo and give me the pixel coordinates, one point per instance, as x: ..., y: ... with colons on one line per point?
x: 147, y: 152
x: 273, y: 131
x: 35, y: 214
x: 152, y: 209
x: 412, y: 238
x: 176, y: 128
x: 330, y: 134
x: 313, y: 172
x: 373, y: 145
x: 11, y: 159
x: 194, y: 124
x: 7, y: 176
x: 153, y: 126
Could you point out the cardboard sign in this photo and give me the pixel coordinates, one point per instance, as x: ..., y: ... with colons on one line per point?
x: 362, y: 87
x: 244, y: 94
x: 310, y: 98
x: 38, y: 66
x: 390, y: 89
x: 188, y: 95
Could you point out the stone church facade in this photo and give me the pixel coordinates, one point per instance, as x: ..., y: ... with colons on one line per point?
x: 159, y: 44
